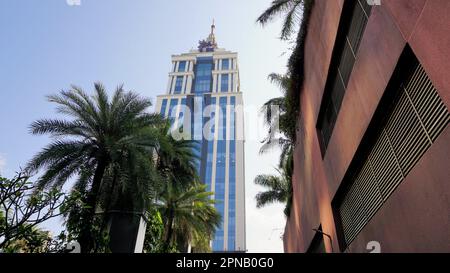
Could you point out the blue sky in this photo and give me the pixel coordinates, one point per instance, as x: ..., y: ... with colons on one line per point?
x: 47, y: 45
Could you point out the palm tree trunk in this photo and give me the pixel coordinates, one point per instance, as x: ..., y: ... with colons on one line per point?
x: 106, y: 216
x: 169, y: 230
x: 86, y: 239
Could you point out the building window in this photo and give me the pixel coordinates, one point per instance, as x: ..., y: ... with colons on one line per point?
x: 224, y: 83
x: 203, y: 75
x: 225, y: 64
x: 173, y: 110
x: 163, y: 107
x: 182, y: 66
x: 355, y: 16
x: 408, y: 120
x: 178, y: 84
x: 180, y: 123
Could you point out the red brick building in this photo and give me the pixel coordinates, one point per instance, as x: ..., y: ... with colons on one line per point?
x: 372, y: 159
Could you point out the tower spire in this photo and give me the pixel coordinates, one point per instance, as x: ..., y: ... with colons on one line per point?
x: 210, y: 43
x: 213, y: 26
x: 212, y: 37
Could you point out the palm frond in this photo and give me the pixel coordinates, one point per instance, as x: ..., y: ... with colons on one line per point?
x: 276, y: 7
x: 291, y: 20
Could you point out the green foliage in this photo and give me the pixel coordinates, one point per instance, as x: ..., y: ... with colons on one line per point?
x: 23, y: 207
x: 154, y: 233
x: 296, y: 66
x: 291, y: 10
x: 187, y: 213
x: 108, y: 144
x: 286, y: 123
x: 123, y: 158
x: 279, y: 187
x: 30, y: 240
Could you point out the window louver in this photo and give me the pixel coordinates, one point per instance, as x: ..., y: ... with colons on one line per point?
x: 413, y: 125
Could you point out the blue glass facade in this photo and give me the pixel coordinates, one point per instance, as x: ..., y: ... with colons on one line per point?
x: 232, y: 178
x: 202, y: 85
x: 178, y: 85
x: 219, y: 192
x: 203, y: 75
x: 210, y: 152
x: 224, y: 83
x: 217, y: 153
x: 182, y: 66
x: 182, y: 113
x: 225, y: 64
x: 172, y: 109
x: 163, y: 107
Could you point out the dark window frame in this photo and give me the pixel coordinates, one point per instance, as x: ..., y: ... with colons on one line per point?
x: 337, y: 83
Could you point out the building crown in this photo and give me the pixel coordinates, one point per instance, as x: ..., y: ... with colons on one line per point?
x: 210, y: 43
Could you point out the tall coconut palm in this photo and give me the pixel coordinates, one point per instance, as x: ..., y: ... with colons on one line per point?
x: 291, y: 10
x: 99, y: 136
x: 187, y: 212
x: 279, y: 187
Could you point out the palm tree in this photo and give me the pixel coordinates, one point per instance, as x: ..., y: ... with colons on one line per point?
x: 102, y: 138
x: 279, y: 187
x: 187, y: 213
x: 176, y: 160
x: 291, y: 9
x: 176, y: 163
x: 281, y: 125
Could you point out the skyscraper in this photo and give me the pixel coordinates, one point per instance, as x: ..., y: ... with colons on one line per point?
x: 203, y: 101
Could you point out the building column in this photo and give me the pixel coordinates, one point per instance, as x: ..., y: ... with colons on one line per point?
x: 189, y: 84
x: 234, y: 82
x: 169, y: 85
x: 227, y: 175
x: 213, y: 90
x: 172, y: 89
x: 183, y: 85
x: 240, y: 176
x: 216, y: 136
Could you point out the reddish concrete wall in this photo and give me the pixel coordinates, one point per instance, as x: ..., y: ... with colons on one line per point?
x: 417, y: 216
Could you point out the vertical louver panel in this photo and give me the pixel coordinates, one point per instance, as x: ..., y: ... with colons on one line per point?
x: 428, y: 104
x: 385, y: 168
x: 413, y: 124
x: 406, y: 134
